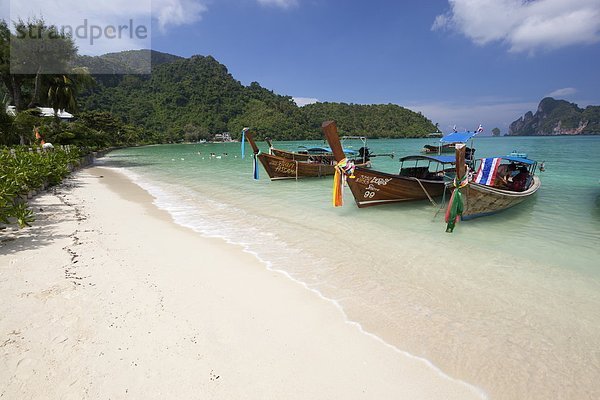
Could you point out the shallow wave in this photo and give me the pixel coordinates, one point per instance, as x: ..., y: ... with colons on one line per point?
x: 235, y: 226
x: 489, y: 304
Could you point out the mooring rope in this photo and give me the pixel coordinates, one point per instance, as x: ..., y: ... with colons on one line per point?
x: 427, y: 194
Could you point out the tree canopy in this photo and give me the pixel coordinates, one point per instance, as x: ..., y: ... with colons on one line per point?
x: 183, y: 99
x: 199, y: 91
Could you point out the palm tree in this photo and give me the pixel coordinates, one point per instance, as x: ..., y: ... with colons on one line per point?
x: 61, y: 93
x: 63, y: 89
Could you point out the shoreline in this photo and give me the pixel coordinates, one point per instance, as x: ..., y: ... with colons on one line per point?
x: 176, y: 313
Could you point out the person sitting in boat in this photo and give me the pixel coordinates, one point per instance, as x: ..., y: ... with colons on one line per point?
x: 520, y: 180
x: 364, y: 153
x: 503, y: 174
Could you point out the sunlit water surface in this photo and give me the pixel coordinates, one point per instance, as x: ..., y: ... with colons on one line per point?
x: 509, y: 303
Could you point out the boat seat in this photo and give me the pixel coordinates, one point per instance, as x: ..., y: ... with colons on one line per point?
x: 528, y: 182
x: 433, y: 176
x: 416, y: 172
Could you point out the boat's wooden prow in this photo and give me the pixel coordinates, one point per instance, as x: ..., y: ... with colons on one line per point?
x: 331, y: 133
x: 250, y: 138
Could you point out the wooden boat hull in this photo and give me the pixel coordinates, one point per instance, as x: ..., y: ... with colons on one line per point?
x: 279, y: 167
x: 480, y: 200
x: 372, y: 188
x: 290, y: 155
x: 284, y: 168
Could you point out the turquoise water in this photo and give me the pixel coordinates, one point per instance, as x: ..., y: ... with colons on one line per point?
x: 509, y: 303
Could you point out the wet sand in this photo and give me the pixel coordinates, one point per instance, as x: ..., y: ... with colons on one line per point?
x: 105, y: 297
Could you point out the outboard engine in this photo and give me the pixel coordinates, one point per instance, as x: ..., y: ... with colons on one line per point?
x: 364, y: 153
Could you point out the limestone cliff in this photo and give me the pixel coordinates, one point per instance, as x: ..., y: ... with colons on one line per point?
x: 557, y: 117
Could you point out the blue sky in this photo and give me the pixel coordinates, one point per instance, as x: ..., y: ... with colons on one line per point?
x: 462, y: 62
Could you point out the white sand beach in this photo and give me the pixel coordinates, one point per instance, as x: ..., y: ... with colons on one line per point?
x: 106, y: 297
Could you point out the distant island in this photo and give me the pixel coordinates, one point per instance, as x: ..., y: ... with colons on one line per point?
x: 557, y: 117
x: 144, y: 97
x: 194, y: 98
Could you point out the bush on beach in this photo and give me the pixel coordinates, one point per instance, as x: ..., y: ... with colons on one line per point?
x: 23, y: 171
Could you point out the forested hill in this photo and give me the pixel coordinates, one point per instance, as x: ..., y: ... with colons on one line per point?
x: 558, y: 117
x: 131, y: 61
x: 189, y: 98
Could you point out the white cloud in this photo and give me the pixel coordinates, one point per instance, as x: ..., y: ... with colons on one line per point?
x: 468, y: 116
x: 524, y: 26
x: 442, y: 21
x: 564, y: 92
x: 177, y: 12
x: 302, y: 101
x: 107, y: 13
x: 279, y: 3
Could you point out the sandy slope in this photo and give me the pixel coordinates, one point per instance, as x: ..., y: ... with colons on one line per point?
x: 105, y: 297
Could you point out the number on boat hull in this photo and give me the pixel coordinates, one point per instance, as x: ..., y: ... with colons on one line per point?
x: 368, y: 194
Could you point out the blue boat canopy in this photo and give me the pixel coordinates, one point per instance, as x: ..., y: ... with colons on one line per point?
x: 458, y: 137
x: 440, y: 159
x: 328, y: 150
x: 521, y: 160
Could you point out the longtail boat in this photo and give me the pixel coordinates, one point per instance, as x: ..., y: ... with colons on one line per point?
x: 283, y: 165
x: 292, y: 155
x: 448, y: 142
x: 487, y: 191
x: 446, y: 148
x: 317, y: 153
x: 371, y: 188
x: 437, y: 149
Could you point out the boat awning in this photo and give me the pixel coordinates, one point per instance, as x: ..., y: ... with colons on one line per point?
x: 458, y: 137
x: 439, y: 159
x: 318, y: 150
x: 520, y: 160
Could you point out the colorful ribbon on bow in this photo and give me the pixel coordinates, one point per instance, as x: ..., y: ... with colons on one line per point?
x: 255, y: 165
x: 244, y: 141
x: 343, y: 169
x: 456, y: 205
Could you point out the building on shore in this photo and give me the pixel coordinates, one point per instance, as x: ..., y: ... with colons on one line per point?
x: 222, y: 137
x: 43, y: 112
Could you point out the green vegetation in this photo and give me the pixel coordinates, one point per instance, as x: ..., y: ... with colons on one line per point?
x: 92, y: 130
x: 182, y: 100
x: 23, y: 171
x: 558, y: 117
x: 29, y: 85
x: 199, y: 94
x: 130, y: 61
x: 591, y: 114
x: 379, y: 120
